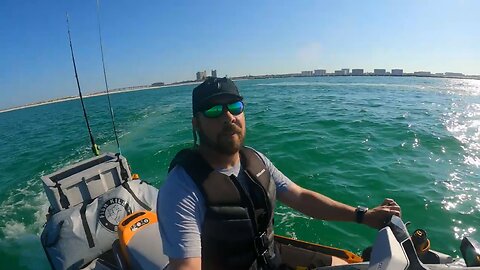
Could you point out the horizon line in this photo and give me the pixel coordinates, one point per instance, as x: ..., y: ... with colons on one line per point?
x: 242, y: 77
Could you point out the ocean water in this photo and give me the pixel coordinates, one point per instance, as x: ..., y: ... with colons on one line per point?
x: 355, y: 139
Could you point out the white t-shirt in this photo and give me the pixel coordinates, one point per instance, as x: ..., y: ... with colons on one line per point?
x: 181, y: 208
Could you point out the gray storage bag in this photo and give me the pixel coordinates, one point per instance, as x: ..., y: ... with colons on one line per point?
x: 74, y: 237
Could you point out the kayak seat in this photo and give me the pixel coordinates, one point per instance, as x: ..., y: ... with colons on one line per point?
x: 140, y: 242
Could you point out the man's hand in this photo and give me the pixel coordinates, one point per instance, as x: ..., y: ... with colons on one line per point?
x: 378, y: 216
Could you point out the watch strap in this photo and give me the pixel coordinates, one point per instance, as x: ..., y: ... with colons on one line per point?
x: 360, y: 213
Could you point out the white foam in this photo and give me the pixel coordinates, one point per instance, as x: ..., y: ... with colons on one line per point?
x: 13, y: 230
x: 28, y: 199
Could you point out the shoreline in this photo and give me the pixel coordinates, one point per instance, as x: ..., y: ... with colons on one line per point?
x: 111, y: 92
x: 239, y: 78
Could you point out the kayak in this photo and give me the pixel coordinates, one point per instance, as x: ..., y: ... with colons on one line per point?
x: 101, y: 216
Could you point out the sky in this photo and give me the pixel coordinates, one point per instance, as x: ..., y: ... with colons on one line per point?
x: 167, y: 41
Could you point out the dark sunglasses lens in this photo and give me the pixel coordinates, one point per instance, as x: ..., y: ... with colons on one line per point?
x: 214, y: 111
x: 236, y: 108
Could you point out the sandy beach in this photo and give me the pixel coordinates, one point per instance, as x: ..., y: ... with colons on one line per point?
x: 111, y: 92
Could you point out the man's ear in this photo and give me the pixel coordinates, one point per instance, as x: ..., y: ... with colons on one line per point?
x: 195, y: 124
x: 195, y: 127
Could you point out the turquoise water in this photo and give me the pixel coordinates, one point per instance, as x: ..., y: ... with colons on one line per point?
x: 356, y: 139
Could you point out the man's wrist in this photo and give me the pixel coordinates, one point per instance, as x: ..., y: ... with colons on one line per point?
x: 360, y: 212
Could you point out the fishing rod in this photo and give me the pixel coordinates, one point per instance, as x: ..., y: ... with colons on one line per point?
x: 95, y: 148
x: 112, y: 115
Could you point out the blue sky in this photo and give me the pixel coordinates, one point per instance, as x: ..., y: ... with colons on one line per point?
x: 150, y: 41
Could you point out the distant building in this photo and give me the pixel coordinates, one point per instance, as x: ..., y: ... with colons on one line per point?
x: 319, y: 72
x: 422, y: 73
x: 307, y: 73
x: 201, y: 75
x: 214, y: 73
x: 380, y: 72
x: 342, y: 72
x: 397, y: 72
x: 357, y: 71
x: 454, y: 74
x: 158, y: 84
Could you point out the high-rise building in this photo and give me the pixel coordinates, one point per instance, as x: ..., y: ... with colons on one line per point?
x: 214, y: 73
x: 307, y: 73
x: 201, y: 75
x: 397, y: 72
x: 380, y: 72
x: 338, y: 73
x: 357, y: 71
x: 346, y: 71
x: 319, y: 72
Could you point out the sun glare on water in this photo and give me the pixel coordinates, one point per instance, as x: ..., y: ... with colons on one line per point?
x: 462, y: 121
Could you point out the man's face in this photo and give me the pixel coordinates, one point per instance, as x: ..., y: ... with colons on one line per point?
x: 224, y: 134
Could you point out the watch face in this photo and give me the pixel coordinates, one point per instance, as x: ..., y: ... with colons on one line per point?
x: 360, y: 213
x: 362, y: 209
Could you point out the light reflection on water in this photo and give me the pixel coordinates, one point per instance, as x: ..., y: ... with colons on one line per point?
x: 355, y: 139
x: 464, y: 87
x: 462, y: 120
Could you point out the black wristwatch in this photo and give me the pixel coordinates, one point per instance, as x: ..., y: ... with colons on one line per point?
x: 360, y: 213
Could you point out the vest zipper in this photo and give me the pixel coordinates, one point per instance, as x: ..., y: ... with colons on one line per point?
x: 261, y: 258
x: 268, y: 205
x: 250, y: 207
x: 265, y: 197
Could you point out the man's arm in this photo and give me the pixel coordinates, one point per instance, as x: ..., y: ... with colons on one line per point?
x: 180, y: 211
x: 322, y: 207
x: 185, y: 264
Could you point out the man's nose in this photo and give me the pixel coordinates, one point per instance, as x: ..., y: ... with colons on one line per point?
x: 229, y: 117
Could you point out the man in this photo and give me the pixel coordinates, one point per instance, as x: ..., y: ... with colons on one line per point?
x: 216, y: 207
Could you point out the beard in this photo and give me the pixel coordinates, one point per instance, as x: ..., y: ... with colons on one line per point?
x: 224, y: 143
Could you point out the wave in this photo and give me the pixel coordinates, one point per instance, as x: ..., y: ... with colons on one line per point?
x: 23, y: 211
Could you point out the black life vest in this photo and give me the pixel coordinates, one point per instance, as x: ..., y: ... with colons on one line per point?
x: 238, y: 228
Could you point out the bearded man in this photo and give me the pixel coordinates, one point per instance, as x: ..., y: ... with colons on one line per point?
x: 216, y: 206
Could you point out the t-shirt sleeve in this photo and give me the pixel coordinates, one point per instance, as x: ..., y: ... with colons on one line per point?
x: 281, y: 181
x: 180, y: 210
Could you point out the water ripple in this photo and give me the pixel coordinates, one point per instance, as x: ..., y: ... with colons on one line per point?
x: 356, y: 139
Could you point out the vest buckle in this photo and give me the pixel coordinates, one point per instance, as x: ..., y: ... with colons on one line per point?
x: 263, y: 255
x: 261, y: 243
x: 264, y: 261
x: 264, y: 258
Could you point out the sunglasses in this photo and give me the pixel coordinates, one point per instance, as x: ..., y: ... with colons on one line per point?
x: 235, y: 108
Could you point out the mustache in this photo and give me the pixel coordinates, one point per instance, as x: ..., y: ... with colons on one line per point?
x: 229, y: 128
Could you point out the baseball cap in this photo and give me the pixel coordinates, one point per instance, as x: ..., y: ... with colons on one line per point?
x: 211, y: 88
